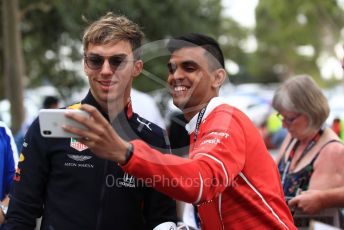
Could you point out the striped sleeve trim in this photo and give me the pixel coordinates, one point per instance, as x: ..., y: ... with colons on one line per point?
x: 217, y: 161
x: 200, y: 190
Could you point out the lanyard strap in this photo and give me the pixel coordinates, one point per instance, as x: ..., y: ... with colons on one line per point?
x: 309, y: 146
x: 199, y: 120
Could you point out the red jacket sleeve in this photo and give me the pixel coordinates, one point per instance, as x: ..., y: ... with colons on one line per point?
x: 215, y: 160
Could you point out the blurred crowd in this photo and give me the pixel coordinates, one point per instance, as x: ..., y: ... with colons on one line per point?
x: 253, y: 99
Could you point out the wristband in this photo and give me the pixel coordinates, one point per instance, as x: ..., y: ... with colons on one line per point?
x: 4, y: 208
x: 129, y: 153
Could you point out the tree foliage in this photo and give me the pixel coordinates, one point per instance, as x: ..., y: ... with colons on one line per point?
x: 52, y: 33
x: 52, y: 30
x: 285, y: 26
x: 13, y: 65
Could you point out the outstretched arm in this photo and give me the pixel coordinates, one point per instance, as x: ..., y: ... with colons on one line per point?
x: 216, y: 161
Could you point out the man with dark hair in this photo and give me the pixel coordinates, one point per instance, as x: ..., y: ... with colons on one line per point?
x: 214, y: 53
x: 61, y: 180
x: 50, y: 102
x: 230, y: 176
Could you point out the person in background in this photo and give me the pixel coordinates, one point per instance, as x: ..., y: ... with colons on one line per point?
x: 312, y: 155
x: 313, y: 201
x: 8, y: 164
x: 61, y: 180
x: 229, y: 176
x: 338, y: 127
x: 50, y: 102
x: 276, y: 132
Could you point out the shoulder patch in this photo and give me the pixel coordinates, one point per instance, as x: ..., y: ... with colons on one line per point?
x: 75, y: 106
x: 21, y: 157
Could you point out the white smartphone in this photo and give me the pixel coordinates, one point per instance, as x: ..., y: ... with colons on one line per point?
x: 52, y: 120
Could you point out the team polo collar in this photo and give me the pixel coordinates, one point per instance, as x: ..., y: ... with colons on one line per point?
x: 89, y: 99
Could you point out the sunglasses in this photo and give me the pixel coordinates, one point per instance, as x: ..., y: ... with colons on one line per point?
x: 287, y: 120
x: 96, y: 62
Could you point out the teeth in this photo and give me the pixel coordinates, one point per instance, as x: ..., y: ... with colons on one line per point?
x: 106, y: 83
x: 180, y: 88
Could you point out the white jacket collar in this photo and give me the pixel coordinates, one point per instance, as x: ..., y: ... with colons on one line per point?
x: 214, y: 102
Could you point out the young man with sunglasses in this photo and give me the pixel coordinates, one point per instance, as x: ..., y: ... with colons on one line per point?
x: 230, y: 176
x: 62, y: 180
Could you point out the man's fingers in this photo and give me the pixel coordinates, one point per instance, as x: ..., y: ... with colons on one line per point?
x: 95, y: 122
x: 94, y: 113
x: 77, y: 131
x: 293, y: 202
x: 86, y: 141
x: 103, y: 125
x: 97, y: 129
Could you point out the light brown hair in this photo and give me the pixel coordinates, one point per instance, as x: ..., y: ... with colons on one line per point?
x: 112, y: 27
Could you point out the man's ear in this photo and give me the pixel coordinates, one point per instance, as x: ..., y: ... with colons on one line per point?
x: 220, y: 76
x: 138, y: 66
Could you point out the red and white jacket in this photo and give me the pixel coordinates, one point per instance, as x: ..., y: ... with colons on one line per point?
x: 229, y: 175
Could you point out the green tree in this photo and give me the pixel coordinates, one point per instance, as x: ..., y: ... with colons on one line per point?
x: 283, y: 27
x: 52, y: 31
x: 13, y: 63
x: 231, y: 39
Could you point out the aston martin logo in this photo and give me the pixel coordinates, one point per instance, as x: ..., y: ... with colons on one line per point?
x: 79, y: 157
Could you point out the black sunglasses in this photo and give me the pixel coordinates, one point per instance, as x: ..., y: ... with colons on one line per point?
x: 95, y: 61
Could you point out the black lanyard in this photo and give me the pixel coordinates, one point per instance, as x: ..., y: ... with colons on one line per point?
x: 199, y: 120
x: 198, y: 123
x: 309, y: 146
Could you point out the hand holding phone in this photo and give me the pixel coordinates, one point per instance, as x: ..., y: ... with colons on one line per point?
x: 51, y: 122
